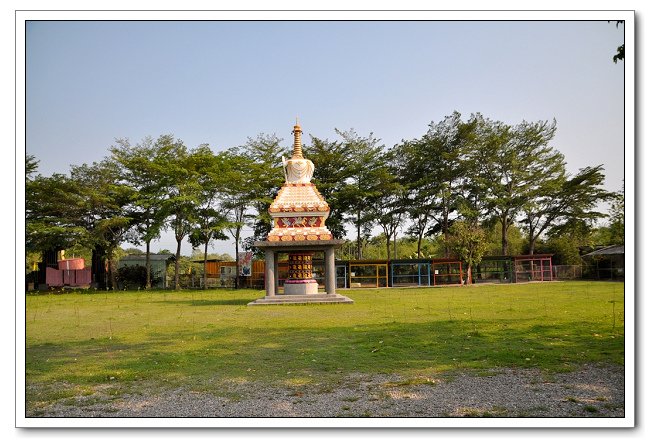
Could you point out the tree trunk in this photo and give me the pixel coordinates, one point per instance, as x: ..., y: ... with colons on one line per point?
x: 445, y: 232
x: 358, y: 235
x: 420, y: 245
x: 395, y: 245
x: 205, y: 266
x: 469, y: 275
x: 237, y: 258
x: 387, y: 247
x: 531, y: 239
x: 177, y: 266
x: 98, y: 268
x: 147, y: 264
x: 504, y: 235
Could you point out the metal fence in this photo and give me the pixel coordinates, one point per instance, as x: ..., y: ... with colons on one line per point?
x: 567, y: 271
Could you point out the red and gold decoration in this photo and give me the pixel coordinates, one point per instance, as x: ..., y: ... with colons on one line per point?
x: 300, y: 268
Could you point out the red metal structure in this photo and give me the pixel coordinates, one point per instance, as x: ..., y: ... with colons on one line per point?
x: 536, y: 268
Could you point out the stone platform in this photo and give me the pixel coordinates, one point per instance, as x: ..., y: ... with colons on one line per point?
x: 285, y: 299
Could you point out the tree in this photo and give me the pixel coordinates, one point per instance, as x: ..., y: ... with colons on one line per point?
x: 509, y: 165
x: 361, y: 187
x: 617, y: 218
x: 433, y: 170
x: 389, y: 205
x: 54, y: 207
x: 469, y: 243
x: 264, y: 154
x: 240, y: 191
x: 141, y: 170
x: 421, y: 198
x: 559, y: 199
x: 516, y: 239
x: 179, y: 182
x: 105, y: 213
x: 210, y: 218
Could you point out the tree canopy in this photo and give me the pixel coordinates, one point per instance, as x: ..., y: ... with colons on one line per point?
x: 496, y: 180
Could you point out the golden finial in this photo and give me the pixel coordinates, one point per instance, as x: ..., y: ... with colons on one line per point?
x: 297, y: 144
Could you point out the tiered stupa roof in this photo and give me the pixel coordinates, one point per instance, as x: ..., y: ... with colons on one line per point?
x: 299, y: 211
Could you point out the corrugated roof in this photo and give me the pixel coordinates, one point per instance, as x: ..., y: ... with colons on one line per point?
x: 609, y: 250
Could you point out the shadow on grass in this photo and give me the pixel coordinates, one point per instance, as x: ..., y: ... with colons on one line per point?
x: 207, y: 302
x: 251, y: 354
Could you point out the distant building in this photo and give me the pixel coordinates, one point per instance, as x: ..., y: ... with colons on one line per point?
x: 607, y: 263
x: 158, y: 262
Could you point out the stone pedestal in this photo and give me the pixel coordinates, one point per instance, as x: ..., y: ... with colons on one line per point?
x: 293, y: 289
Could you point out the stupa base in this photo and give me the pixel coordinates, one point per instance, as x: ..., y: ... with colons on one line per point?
x: 300, y: 289
x: 297, y: 299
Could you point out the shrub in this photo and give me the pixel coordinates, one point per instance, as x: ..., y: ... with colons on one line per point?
x: 133, y: 277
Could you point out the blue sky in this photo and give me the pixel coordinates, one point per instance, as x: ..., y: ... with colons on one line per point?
x: 89, y: 83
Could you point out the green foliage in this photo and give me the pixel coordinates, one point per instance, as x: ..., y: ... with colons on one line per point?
x: 469, y: 243
x: 105, y: 212
x: 514, y: 236
x: 141, y: 170
x: 620, y: 51
x: 54, y: 207
x: 133, y: 251
x: 390, y: 203
x: 31, y: 166
x: 564, y: 199
x: 616, y: 229
x: 262, y: 178
x: 481, y: 171
x: 333, y: 167
x: 513, y: 165
x: 432, y: 170
x: 367, y: 166
x: 565, y: 250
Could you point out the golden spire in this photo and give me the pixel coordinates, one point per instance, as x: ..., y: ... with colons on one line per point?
x: 297, y: 144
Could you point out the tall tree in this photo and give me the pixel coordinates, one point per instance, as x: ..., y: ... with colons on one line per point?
x: 179, y: 181
x: 362, y: 186
x: 210, y: 215
x: 510, y: 162
x: 414, y: 176
x: 240, y: 192
x: 433, y: 170
x: 105, y: 215
x: 140, y: 170
x: 389, y: 204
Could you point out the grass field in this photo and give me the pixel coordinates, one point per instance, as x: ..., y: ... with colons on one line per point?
x: 77, y: 342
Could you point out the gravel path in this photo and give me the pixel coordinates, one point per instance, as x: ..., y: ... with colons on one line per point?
x: 592, y: 391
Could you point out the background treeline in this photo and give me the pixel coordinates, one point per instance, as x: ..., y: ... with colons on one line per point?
x: 466, y: 188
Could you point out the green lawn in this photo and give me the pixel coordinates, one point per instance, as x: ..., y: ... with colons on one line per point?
x: 79, y: 341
